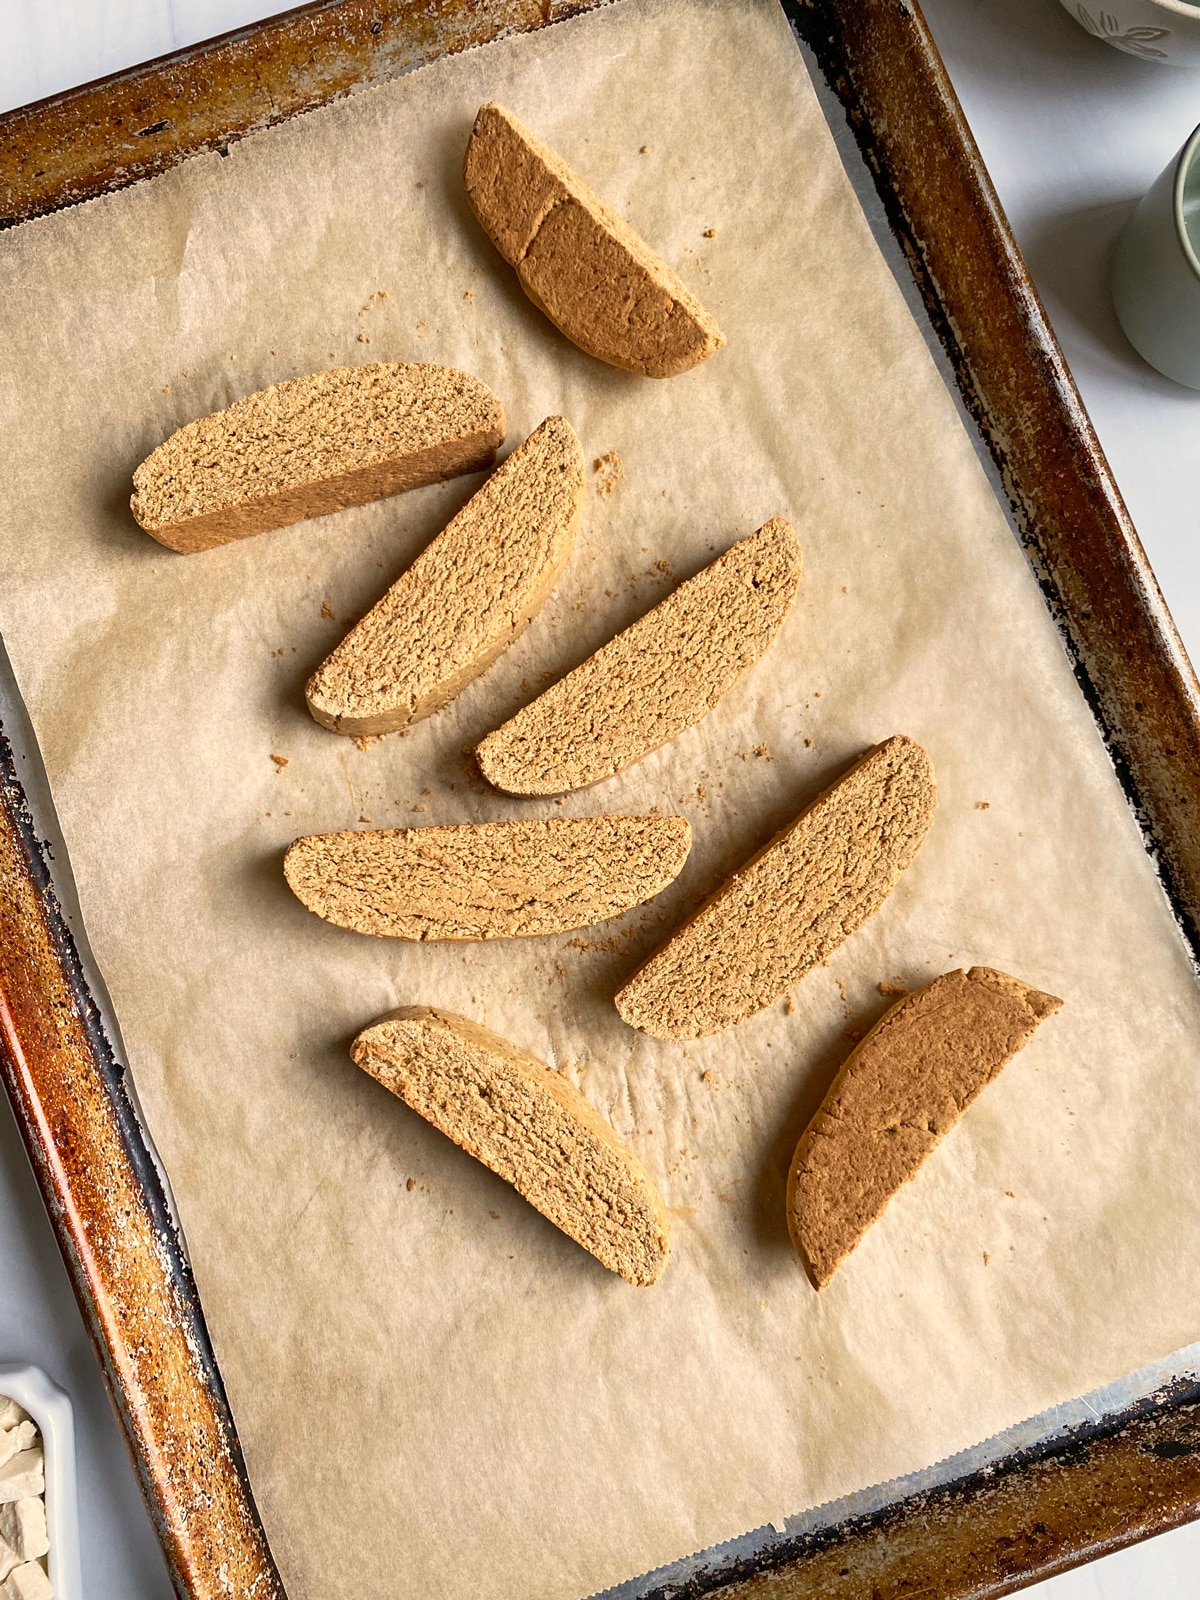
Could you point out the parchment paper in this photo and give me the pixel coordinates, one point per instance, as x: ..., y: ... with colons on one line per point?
x: 439, y: 1395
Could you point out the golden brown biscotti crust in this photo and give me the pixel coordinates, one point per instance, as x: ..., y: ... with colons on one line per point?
x: 313, y: 445
x: 465, y: 599
x: 654, y: 680
x: 793, y: 902
x: 530, y: 1125
x: 577, y: 259
x: 894, y: 1100
x: 488, y: 880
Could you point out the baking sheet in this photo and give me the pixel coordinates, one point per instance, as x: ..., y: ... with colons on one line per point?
x: 436, y: 1392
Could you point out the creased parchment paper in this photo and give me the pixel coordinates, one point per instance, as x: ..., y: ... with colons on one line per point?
x: 439, y: 1395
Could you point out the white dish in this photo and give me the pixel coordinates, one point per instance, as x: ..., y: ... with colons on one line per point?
x: 51, y: 1409
x: 1153, y: 30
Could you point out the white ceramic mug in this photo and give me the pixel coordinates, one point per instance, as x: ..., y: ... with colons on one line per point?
x: 1154, y: 30
x: 1156, y: 270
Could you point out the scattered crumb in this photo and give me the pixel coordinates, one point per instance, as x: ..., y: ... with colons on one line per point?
x: 986, y: 1257
x: 710, y: 233
x: 891, y: 988
x: 364, y: 741
x: 845, y: 590
x: 982, y: 805
x: 1010, y: 1194
x: 789, y: 1004
x: 762, y: 750
x: 420, y: 183
x: 852, y: 1034
x: 280, y: 761
x: 595, y: 944
x: 609, y: 471
x: 362, y: 816
x: 328, y: 611
x: 418, y: 808
x: 808, y: 744
x: 363, y: 339
x: 469, y: 296
x: 495, y: 1216
x: 645, y: 150
x: 411, y: 1185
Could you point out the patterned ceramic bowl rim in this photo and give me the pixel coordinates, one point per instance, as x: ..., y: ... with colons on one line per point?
x: 1181, y: 8
x: 1140, y: 39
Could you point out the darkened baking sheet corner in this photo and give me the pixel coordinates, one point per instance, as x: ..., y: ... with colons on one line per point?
x: 1133, y: 1472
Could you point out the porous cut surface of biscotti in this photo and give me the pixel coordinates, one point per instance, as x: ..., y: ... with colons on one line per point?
x: 896, y: 1098
x: 465, y: 598
x: 528, y: 1124
x: 577, y: 259
x: 792, y: 903
x: 662, y: 675
x: 490, y: 880
x: 313, y: 445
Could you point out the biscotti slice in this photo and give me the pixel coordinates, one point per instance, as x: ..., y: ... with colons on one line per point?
x: 313, y: 445
x: 577, y: 259
x: 792, y: 903
x: 488, y: 880
x: 660, y: 676
x: 466, y: 597
x: 529, y: 1125
x: 895, y: 1099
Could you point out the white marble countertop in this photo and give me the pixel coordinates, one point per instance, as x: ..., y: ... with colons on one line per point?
x: 1073, y: 132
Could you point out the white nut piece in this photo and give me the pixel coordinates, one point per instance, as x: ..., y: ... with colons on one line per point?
x: 23, y: 1527
x: 26, y: 1582
x: 23, y: 1476
x: 22, y: 1436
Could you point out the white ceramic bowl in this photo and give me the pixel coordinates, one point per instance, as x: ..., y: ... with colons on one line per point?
x: 50, y: 1408
x: 1154, y: 30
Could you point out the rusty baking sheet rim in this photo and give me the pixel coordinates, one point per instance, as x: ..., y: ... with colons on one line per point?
x: 1038, y: 1511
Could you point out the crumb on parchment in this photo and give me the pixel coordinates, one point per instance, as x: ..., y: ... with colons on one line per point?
x: 280, y: 761
x: 609, y: 471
